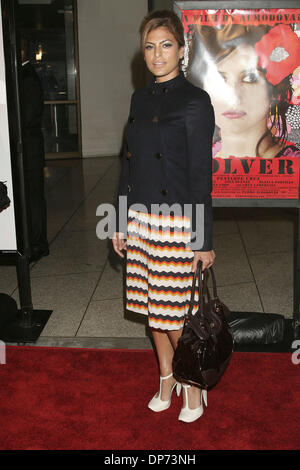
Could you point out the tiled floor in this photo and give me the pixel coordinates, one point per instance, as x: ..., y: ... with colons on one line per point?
x: 82, y: 279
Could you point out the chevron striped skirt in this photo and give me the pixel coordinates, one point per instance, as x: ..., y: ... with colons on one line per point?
x: 158, y: 268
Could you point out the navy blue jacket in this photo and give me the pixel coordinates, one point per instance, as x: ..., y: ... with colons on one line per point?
x: 167, y: 157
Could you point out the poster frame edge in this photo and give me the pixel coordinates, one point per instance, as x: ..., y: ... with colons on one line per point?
x: 229, y: 4
x: 178, y: 7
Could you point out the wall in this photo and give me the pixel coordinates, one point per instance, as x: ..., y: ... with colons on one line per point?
x: 111, y: 67
x: 162, y: 4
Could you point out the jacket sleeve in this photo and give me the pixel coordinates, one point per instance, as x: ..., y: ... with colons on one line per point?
x: 200, y: 125
x: 124, y: 176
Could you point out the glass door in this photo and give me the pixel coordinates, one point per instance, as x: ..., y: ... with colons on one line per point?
x: 49, y: 28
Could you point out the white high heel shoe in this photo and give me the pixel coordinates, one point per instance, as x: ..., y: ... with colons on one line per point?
x: 156, y: 403
x: 189, y: 415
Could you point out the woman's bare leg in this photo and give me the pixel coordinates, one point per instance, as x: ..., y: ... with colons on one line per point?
x: 174, y: 336
x: 165, y: 352
x: 165, y: 344
x: 193, y: 392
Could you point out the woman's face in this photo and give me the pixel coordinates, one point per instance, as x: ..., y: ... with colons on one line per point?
x: 238, y: 91
x: 162, y: 54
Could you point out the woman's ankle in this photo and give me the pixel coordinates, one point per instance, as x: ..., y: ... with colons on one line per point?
x: 194, y: 397
x: 166, y: 387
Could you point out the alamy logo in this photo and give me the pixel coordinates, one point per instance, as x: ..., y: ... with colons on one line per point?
x: 2, y: 353
x: 296, y: 354
x: 107, y: 225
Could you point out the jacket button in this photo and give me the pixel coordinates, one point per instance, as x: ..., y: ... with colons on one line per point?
x: 129, y: 154
x: 165, y: 90
x: 155, y: 119
x: 131, y: 119
x: 152, y: 92
x: 158, y: 155
x: 129, y: 187
x: 164, y: 192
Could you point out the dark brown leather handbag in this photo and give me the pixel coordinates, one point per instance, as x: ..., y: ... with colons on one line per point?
x: 205, y: 347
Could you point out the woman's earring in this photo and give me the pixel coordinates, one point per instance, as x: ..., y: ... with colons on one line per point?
x: 273, y: 122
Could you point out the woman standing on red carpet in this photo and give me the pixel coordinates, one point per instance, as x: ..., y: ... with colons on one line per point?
x: 167, y: 161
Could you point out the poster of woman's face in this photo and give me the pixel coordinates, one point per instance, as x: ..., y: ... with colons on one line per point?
x: 7, y: 216
x: 248, y: 61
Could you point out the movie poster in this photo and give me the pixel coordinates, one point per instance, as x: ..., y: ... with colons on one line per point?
x: 248, y: 60
x: 7, y: 216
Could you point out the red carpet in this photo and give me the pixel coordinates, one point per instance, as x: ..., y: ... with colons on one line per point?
x: 63, y: 398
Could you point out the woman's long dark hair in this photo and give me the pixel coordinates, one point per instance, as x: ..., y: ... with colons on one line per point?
x: 220, y: 42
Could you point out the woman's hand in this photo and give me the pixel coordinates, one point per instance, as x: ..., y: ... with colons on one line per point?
x: 207, y: 258
x: 119, y: 243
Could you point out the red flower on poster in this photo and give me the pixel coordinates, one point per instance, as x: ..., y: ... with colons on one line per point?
x: 279, y: 52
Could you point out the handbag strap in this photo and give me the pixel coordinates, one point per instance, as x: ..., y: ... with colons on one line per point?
x: 197, y: 275
x: 210, y: 272
x: 202, y: 287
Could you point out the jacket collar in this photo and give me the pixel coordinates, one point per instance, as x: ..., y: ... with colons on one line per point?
x: 169, y: 85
